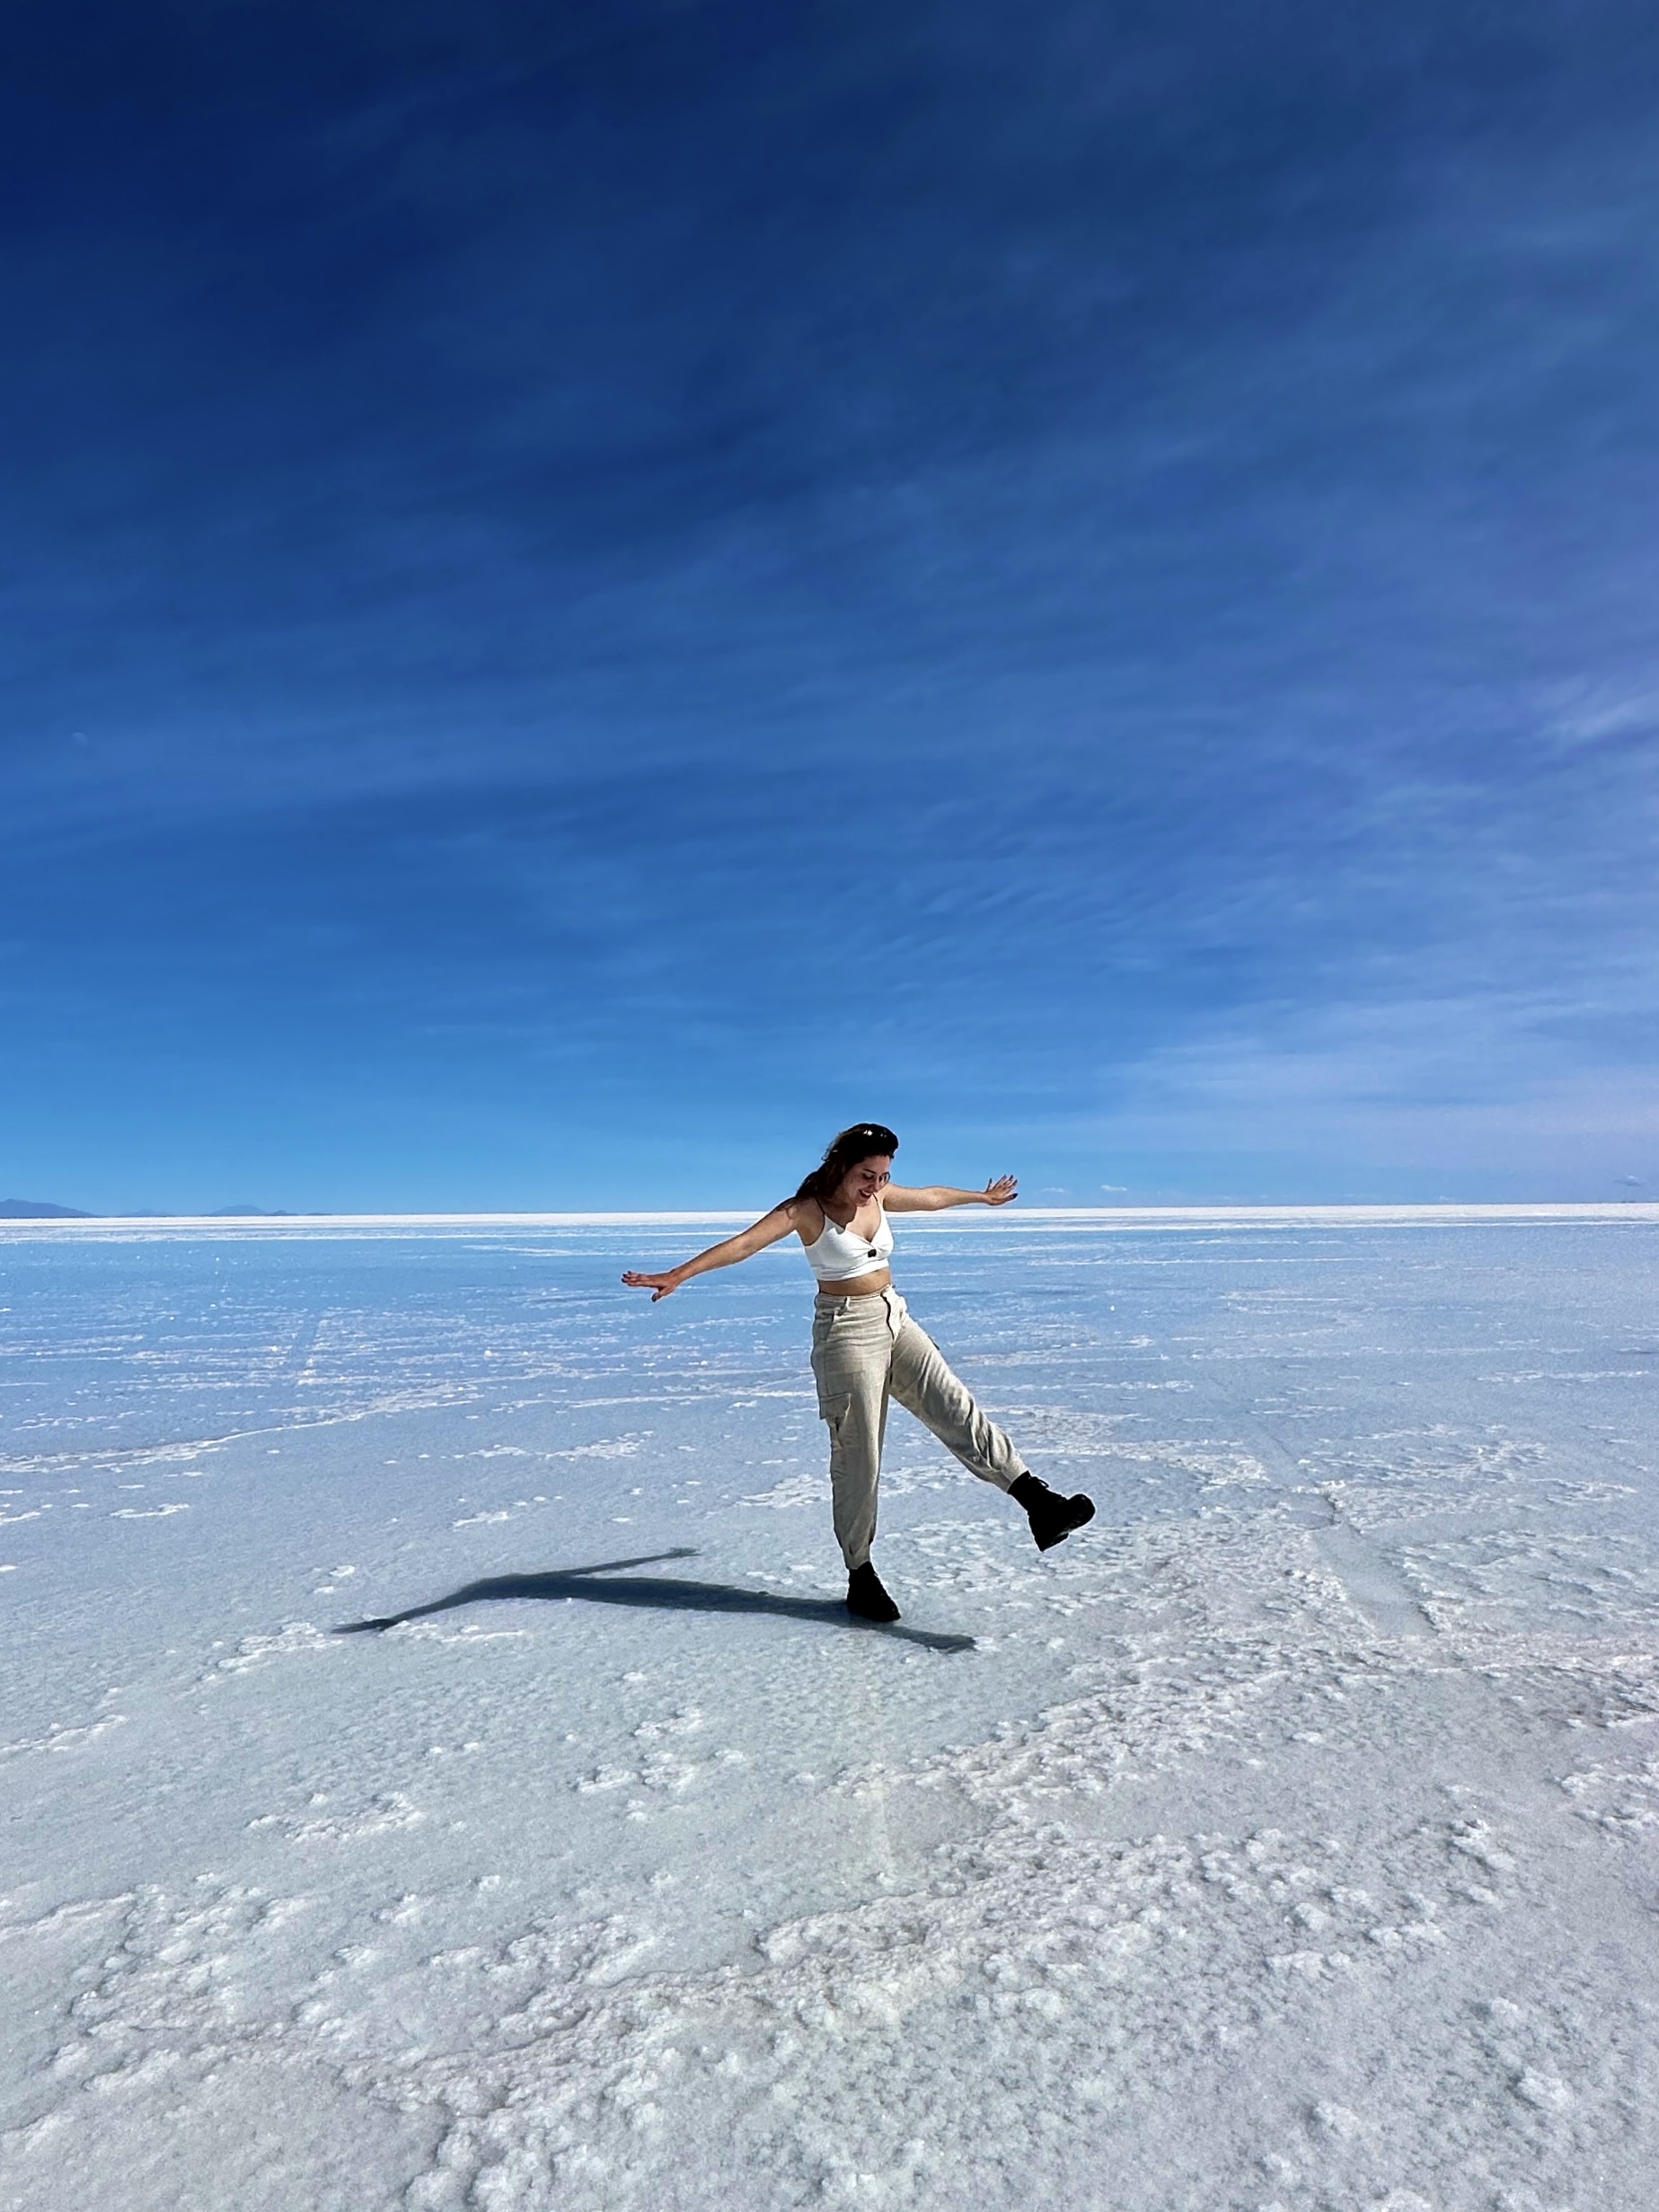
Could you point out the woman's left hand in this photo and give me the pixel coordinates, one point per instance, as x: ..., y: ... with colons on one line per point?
x: 1004, y: 1187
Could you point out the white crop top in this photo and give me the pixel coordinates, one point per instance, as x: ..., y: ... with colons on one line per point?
x: 839, y: 1255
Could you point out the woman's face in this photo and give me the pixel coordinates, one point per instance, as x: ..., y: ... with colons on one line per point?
x: 860, y: 1185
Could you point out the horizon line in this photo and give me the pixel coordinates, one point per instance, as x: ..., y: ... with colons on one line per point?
x: 1287, y: 1214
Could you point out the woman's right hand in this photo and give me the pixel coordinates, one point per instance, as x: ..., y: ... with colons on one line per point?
x: 659, y: 1286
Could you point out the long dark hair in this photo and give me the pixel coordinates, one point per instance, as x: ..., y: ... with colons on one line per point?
x: 863, y: 1140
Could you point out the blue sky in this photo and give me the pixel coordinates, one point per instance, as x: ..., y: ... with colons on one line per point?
x: 591, y: 593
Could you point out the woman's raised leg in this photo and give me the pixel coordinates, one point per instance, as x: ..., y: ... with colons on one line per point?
x: 925, y: 1386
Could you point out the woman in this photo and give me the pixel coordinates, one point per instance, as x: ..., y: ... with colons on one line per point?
x: 866, y: 1349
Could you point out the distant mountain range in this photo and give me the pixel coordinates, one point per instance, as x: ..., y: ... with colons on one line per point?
x: 43, y: 1210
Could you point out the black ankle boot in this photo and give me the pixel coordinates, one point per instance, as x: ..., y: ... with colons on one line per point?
x: 866, y: 1598
x: 1052, y: 1517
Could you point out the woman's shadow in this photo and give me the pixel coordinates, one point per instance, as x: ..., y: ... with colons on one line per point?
x: 660, y: 1592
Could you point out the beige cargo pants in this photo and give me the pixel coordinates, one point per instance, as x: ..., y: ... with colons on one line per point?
x: 866, y: 1351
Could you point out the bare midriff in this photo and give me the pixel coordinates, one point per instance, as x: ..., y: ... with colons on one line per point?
x: 859, y: 1286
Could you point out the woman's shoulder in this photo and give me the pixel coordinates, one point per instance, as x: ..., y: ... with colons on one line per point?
x: 807, y: 1217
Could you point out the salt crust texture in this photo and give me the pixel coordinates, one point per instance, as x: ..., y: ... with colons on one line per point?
x: 1287, y: 1842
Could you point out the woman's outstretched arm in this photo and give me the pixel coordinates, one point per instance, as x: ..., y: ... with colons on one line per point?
x: 744, y: 1246
x: 934, y: 1197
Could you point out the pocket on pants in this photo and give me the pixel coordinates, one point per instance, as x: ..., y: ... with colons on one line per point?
x: 833, y: 1406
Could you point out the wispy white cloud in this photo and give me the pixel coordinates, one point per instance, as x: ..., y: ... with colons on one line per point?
x: 1452, y: 1085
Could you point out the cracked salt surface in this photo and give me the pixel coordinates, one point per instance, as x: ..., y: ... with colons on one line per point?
x: 1288, y: 1839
